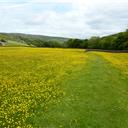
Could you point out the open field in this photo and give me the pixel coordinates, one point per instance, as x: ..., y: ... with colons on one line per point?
x: 63, y: 88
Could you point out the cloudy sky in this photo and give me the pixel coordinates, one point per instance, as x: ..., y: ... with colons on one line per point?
x: 66, y: 18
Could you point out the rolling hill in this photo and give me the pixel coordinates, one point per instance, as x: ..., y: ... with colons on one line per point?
x: 31, y: 40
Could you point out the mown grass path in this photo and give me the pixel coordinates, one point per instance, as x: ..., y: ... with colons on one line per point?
x: 96, y: 97
x: 63, y: 88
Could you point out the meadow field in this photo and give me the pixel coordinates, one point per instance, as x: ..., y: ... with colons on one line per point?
x: 62, y: 88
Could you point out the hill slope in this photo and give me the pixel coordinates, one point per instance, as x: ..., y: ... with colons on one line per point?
x: 36, y: 40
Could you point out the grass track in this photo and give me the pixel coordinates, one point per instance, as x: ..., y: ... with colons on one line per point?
x: 95, y: 98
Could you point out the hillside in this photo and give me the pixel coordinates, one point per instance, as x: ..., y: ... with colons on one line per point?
x: 33, y: 40
x: 117, y: 41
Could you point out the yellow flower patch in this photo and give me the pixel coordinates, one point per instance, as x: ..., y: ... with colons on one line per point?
x: 30, y: 77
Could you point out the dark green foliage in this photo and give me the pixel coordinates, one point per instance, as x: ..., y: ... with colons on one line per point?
x: 93, y: 42
x: 52, y: 44
x: 107, y: 43
x: 113, y: 42
x: 85, y: 43
x: 2, y: 40
x: 75, y: 43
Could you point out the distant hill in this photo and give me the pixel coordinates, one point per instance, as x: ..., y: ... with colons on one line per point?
x: 117, y: 41
x: 31, y: 40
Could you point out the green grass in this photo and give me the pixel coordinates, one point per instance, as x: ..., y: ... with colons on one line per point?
x: 96, y: 97
x: 85, y: 89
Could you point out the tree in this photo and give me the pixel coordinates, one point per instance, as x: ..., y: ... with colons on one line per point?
x: 93, y: 42
x: 107, y: 43
x: 120, y: 40
x: 85, y: 43
x: 3, y: 40
x: 74, y: 43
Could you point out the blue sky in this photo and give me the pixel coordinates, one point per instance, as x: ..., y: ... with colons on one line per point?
x: 66, y: 18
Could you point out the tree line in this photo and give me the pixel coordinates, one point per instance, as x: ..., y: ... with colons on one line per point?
x: 113, y: 42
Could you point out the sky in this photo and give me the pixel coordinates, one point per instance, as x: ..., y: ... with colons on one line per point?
x: 64, y: 18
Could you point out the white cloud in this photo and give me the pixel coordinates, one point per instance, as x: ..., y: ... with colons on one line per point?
x: 84, y: 19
